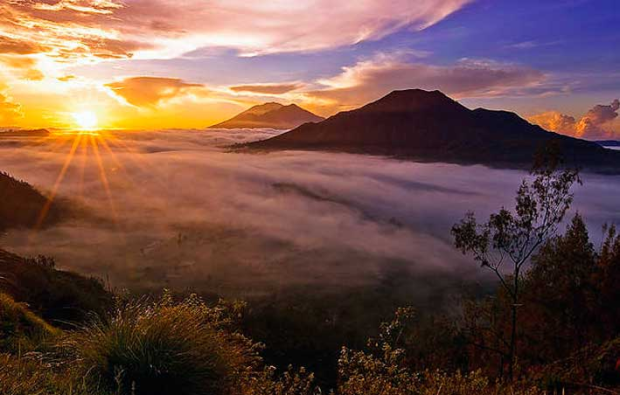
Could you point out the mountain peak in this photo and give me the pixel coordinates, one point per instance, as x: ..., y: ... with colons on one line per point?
x: 270, y: 115
x: 415, y: 100
x: 263, y: 108
x: 415, y: 92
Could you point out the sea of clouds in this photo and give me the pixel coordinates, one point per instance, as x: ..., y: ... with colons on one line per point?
x: 177, y: 208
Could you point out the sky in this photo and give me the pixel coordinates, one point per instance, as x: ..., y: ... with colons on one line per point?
x: 152, y: 64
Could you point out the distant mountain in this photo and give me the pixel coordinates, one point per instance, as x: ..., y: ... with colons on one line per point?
x: 21, y: 205
x: 25, y: 133
x: 430, y: 126
x: 270, y: 115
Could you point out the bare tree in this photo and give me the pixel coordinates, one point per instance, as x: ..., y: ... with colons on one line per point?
x: 505, y: 243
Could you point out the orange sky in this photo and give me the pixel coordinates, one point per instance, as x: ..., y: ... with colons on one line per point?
x: 42, y: 43
x: 150, y: 64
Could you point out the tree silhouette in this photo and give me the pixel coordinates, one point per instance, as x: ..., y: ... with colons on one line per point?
x: 511, y: 238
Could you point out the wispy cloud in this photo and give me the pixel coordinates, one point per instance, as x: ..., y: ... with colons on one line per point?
x: 370, y: 79
x: 23, y: 66
x: 10, y: 45
x: 87, y: 30
x: 269, y: 89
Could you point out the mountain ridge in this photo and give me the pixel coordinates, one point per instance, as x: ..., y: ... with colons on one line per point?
x: 430, y: 126
x: 25, y: 133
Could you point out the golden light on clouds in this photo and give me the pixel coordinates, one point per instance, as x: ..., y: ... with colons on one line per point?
x: 85, y: 120
x: 49, y: 47
x: 117, y: 64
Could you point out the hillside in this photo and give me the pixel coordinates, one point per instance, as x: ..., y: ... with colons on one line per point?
x: 58, y: 296
x: 270, y: 115
x: 22, y: 205
x: 430, y: 126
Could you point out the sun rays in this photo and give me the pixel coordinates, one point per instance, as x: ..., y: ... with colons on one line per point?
x: 90, y: 150
x: 61, y: 176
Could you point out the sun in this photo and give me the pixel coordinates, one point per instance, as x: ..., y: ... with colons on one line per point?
x: 86, y: 120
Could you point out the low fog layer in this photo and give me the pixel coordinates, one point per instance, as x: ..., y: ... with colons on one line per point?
x: 180, y: 210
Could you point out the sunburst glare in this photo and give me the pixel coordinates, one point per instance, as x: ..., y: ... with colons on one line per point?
x: 85, y: 120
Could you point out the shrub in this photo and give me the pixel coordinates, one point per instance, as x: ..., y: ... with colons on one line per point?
x: 164, y: 348
x: 290, y: 383
x: 382, y: 371
x: 433, y: 383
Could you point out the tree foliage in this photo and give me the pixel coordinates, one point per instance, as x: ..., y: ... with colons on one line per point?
x: 506, y: 242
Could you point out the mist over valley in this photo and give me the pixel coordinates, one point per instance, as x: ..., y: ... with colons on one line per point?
x: 179, y: 209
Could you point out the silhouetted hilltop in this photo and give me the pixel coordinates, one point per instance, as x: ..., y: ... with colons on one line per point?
x: 430, y: 126
x: 270, y: 115
x: 21, y: 205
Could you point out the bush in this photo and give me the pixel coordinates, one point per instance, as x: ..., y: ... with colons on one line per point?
x: 589, y: 368
x: 433, y: 383
x: 382, y: 371
x: 290, y: 383
x: 164, y: 348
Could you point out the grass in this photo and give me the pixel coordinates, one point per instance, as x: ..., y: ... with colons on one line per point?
x: 162, y: 348
x: 190, y: 348
x: 20, y: 329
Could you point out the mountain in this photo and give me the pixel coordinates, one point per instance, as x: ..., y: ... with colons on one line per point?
x: 270, y: 115
x: 22, y: 205
x: 25, y: 133
x: 429, y: 126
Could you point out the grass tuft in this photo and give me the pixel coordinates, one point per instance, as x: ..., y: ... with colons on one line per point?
x: 20, y: 329
x: 162, y: 348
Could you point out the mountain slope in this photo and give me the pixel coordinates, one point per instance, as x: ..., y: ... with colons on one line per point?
x: 58, y: 296
x: 432, y: 127
x: 270, y: 115
x: 21, y: 205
